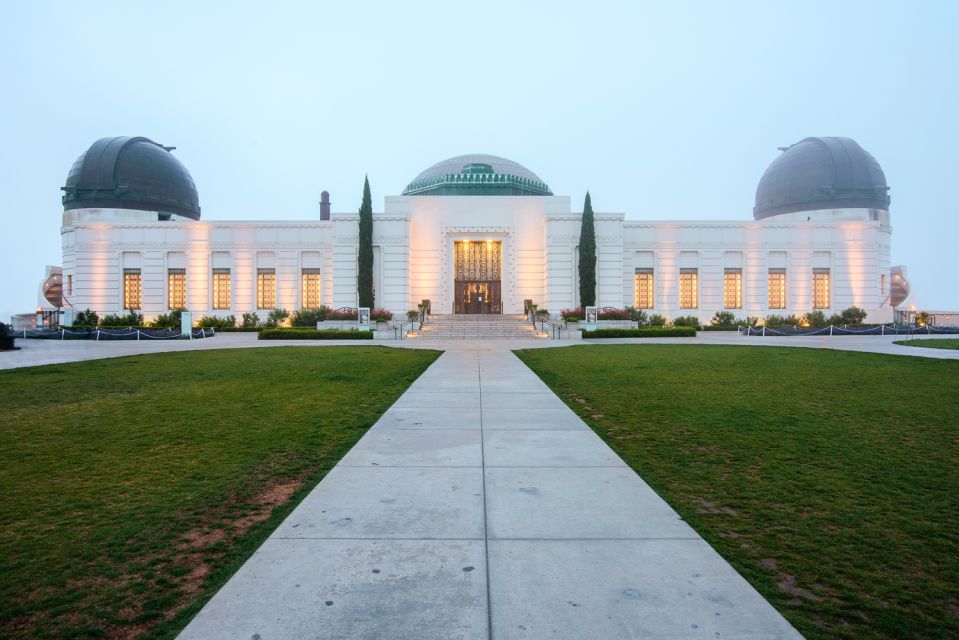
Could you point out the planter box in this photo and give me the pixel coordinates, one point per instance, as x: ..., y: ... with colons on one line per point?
x: 384, y: 334
x: 342, y: 325
x: 615, y: 324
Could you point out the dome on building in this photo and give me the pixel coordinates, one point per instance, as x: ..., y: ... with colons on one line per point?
x: 821, y: 173
x: 477, y: 175
x: 131, y: 173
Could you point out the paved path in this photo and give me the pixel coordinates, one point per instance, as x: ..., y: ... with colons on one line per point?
x: 480, y: 506
x: 38, y: 352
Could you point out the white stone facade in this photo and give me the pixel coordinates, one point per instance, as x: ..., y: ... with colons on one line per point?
x: 413, y: 245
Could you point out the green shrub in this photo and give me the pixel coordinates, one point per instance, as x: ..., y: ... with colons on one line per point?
x: 687, y: 321
x: 250, y: 321
x: 309, y: 317
x: 657, y: 320
x: 169, y: 320
x: 276, y: 316
x: 643, y: 332
x: 314, y: 334
x: 773, y: 320
x: 542, y: 313
x: 637, y: 315
x: 724, y: 319
x: 852, y: 315
x: 212, y: 322
x: 132, y: 319
x: 412, y: 314
x: 815, y: 319
x: 88, y: 317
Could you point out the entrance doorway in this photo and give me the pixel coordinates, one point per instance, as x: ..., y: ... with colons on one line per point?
x: 477, y: 281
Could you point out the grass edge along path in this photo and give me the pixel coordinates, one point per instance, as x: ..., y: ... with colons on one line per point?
x: 134, y: 487
x: 826, y: 478
x: 930, y: 343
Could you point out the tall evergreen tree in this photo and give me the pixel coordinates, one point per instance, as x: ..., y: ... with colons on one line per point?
x: 587, y: 256
x: 364, y: 272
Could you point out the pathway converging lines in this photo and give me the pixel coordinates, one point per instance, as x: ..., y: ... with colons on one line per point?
x: 480, y: 506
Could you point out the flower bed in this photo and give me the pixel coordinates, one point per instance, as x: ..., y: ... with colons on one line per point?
x: 314, y: 334
x: 642, y: 332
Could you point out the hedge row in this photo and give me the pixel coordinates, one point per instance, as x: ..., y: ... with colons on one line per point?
x: 314, y: 334
x: 643, y: 332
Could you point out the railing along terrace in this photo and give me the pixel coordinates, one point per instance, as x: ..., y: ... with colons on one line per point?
x: 130, y: 333
x: 847, y: 330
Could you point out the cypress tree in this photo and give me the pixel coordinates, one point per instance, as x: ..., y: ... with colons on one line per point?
x: 364, y: 272
x: 587, y: 256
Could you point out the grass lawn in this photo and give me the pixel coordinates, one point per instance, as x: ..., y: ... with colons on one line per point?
x: 941, y: 343
x: 132, y: 488
x: 829, y: 479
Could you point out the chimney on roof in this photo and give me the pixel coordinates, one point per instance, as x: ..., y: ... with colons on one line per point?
x: 325, y: 205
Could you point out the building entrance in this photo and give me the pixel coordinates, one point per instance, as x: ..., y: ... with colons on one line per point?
x: 477, y: 281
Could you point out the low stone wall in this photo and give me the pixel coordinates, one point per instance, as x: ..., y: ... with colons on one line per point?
x: 342, y: 325
x: 615, y: 324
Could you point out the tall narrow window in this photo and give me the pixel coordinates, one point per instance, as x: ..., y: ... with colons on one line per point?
x: 688, y: 288
x: 643, y: 289
x: 733, y: 289
x: 70, y: 284
x: 176, y: 288
x: 882, y: 284
x: 132, y: 289
x: 265, y: 288
x: 311, y: 288
x: 221, y: 289
x: 777, y: 288
x: 820, y: 288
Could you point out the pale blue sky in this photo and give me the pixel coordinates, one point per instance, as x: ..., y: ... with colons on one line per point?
x: 665, y: 111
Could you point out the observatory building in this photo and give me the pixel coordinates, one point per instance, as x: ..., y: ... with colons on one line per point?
x: 477, y: 234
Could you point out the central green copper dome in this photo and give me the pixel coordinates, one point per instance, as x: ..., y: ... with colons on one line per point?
x: 477, y: 175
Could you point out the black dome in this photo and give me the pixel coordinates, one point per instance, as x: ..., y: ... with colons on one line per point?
x: 131, y: 173
x: 821, y: 173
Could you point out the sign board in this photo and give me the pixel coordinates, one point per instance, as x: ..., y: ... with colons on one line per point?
x: 592, y: 315
x: 186, y: 324
x: 363, y: 318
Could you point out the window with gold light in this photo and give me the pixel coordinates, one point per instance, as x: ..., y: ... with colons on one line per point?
x: 221, y: 289
x: 733, y: 289
x: 688, y: 288
x: 820, y: 288
x: 643, y: 285
x: 777, y: 288
x: 266, y: 288
x: 176, y: 288
x: 310, y: 288
x: 132, y: 289
x: 478, y: 260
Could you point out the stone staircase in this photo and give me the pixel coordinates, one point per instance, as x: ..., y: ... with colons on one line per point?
x: 477, y: 327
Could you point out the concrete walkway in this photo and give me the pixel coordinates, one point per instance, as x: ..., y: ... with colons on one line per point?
x: 40, y: 352
x: 480, y: 506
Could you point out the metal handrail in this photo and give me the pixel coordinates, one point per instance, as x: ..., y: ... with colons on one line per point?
x: 555, y: 327
x: 399, y: 331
